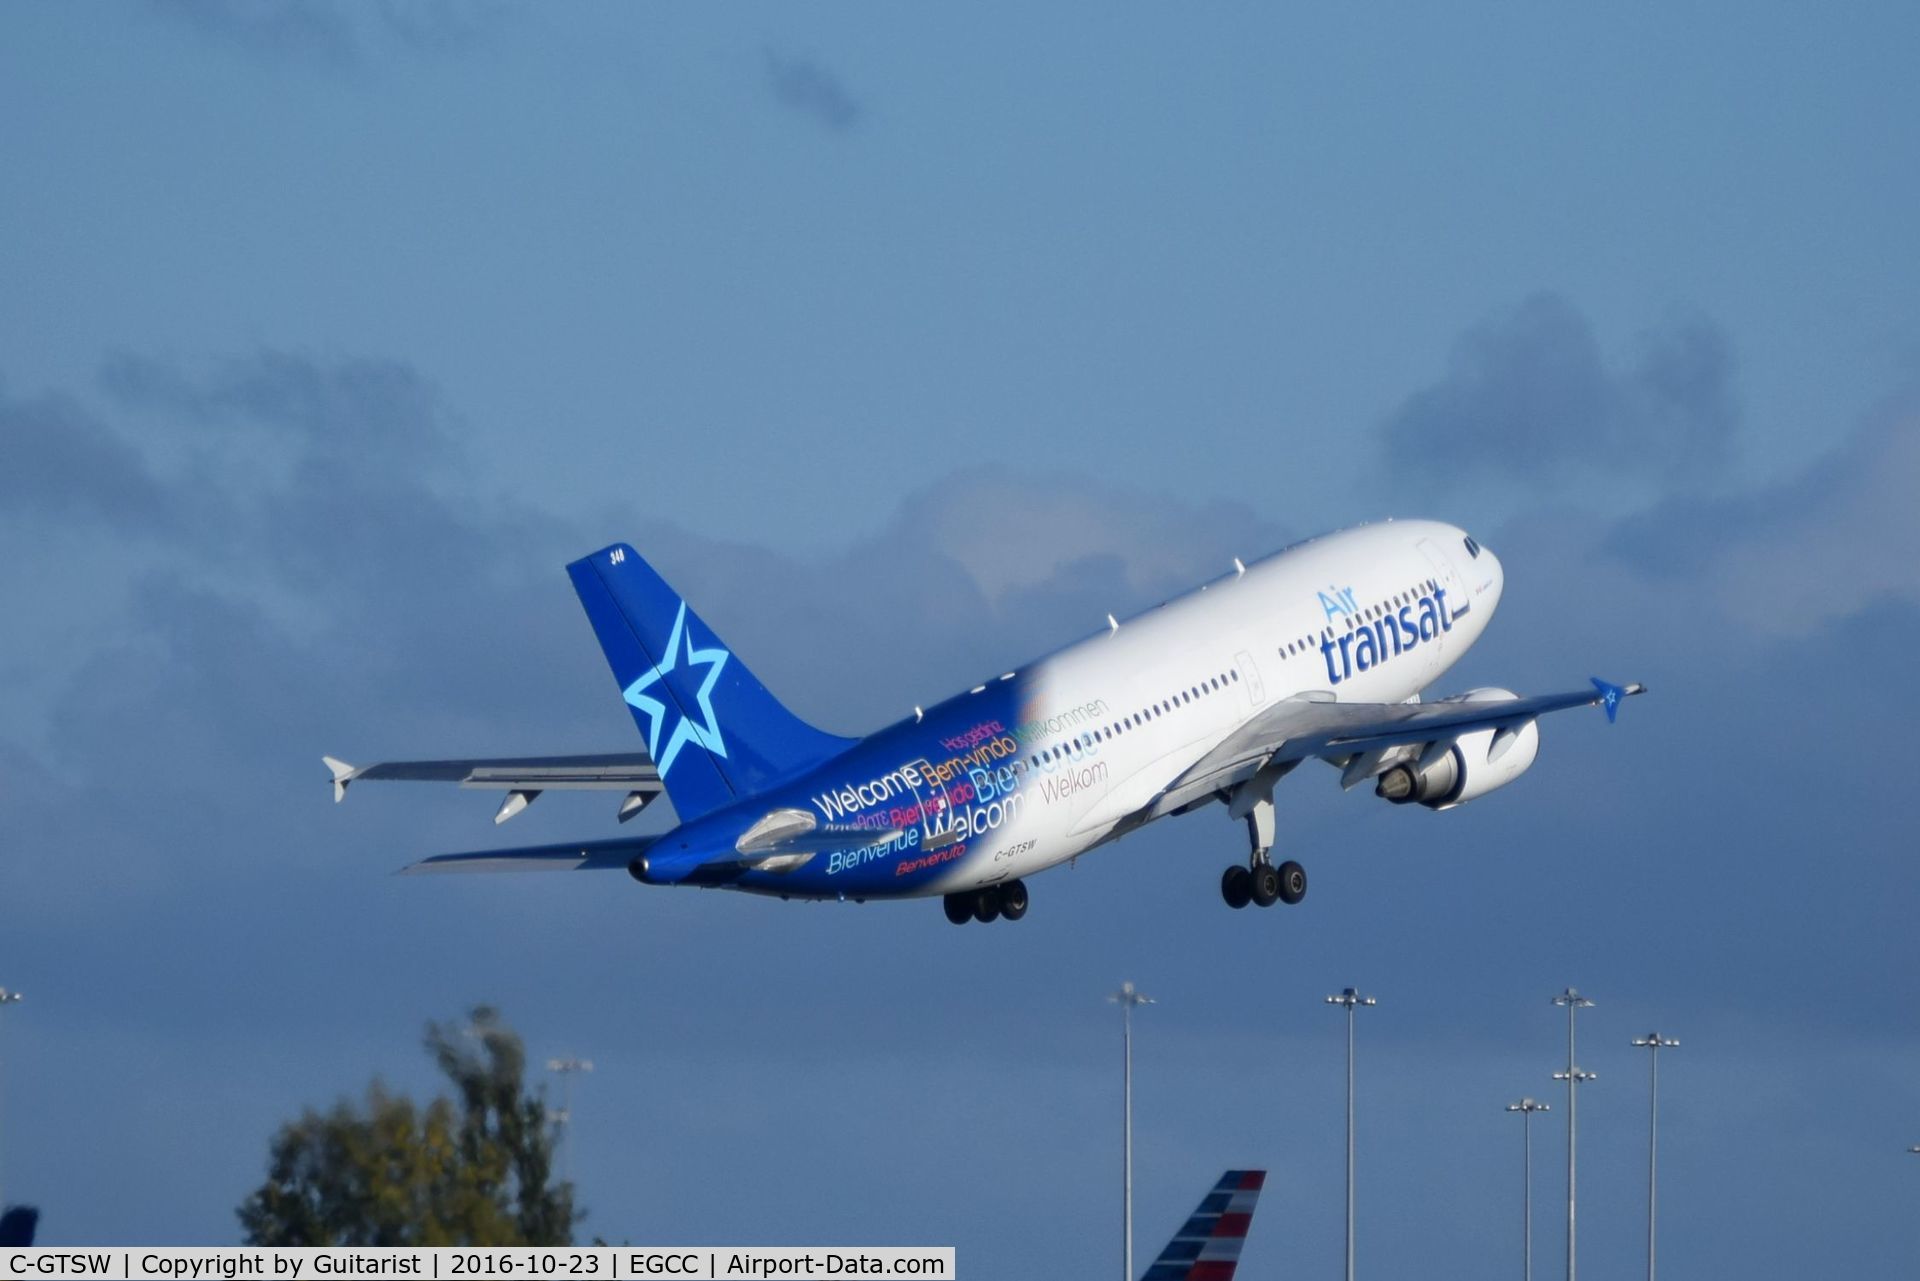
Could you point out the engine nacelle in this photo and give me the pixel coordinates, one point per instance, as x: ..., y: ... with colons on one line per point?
x: 1476, y: 764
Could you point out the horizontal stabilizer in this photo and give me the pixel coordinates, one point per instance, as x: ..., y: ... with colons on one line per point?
x: 524, y: 777
x: 581, y: 856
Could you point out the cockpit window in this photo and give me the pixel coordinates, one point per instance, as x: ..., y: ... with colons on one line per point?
x: 1473, y: 548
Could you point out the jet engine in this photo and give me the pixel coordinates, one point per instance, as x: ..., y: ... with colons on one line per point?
x: 1475, y: 764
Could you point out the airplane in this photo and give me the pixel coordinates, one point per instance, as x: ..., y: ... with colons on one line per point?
x: 1207, y: 1246
x: 1320, y: 651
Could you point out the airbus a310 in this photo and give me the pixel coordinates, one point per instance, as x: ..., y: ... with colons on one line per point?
x: 1318, y: 652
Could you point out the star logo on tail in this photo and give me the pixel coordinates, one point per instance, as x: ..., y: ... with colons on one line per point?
x: 707, y: 734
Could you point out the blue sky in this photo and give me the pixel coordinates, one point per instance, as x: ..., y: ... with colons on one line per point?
x: 909, y: 344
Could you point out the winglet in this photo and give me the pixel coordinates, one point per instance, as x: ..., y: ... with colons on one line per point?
x: 1610, y: 695
x: 343, y: 774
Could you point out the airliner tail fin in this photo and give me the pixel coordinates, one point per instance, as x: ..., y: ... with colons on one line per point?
x: 715, y: 732
x: 1207, y: 1247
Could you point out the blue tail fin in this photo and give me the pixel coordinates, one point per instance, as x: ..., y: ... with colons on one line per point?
x: 712, y: 728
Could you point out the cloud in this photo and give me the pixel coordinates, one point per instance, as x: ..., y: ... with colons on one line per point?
x: 335, y: 35
x: 341, y: 572
x: 1014, y: 530
x: 63, y: 462
x: 1799, y: 555
x: 437, y: 27
x: 1530, y: 396
x: 972, y: 573
x: 373, y: 408
x: 310, y: 31
x: 812, y: 90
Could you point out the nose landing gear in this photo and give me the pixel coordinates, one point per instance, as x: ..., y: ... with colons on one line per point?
x: 1260, y: 882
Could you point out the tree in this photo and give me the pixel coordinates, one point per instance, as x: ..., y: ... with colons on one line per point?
x: 474, y: 1169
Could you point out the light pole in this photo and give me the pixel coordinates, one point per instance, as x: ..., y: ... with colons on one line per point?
x: 1126, y: 998
x: 1653, y: 1043
x: 567, y: 1068
x: 1352, y: 1001
x: 6, y: 998
x: 1526, y: 1108
x: 1574, y: 1078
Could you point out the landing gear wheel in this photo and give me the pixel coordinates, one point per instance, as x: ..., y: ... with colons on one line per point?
x: 1236, y: 886
x: 1293, y: 882
x: 1013, y: 900
x: 1265, y: 881
x: 959, y: 908
x: 986, y: 905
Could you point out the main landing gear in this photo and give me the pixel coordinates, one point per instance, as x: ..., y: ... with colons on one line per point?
x: 987, y: 904
x: 1260, y: 882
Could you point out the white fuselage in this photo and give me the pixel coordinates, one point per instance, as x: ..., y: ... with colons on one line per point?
x: 1372, y: 614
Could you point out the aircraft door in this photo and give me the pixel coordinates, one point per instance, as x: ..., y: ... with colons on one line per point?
x: 1443, y: 570
x: 1256, y: 689
x: 1444, y: 650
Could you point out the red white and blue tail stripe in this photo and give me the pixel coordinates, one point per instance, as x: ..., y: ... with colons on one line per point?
x: 1207, y: 1248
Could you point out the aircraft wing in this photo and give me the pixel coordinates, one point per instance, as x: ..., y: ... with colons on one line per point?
x: 523, y: 777
x: 1296, y: 729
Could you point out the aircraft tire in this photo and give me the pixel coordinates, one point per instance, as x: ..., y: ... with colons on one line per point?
x: 1293, y: 882
x: 1236, y: 886
x: 959, y: 908
x: 1013, y: 900
x: 986, y: 905
x: 1265, y: 885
